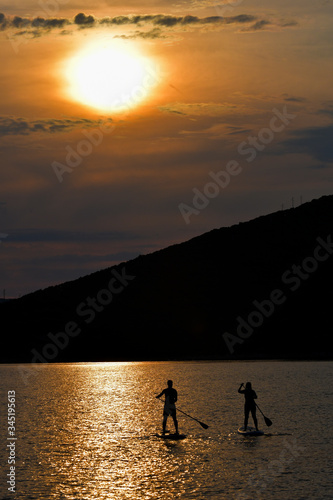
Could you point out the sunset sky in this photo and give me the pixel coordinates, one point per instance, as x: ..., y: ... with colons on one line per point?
x: 233, y: 99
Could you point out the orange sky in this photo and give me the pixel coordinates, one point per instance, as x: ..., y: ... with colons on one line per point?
x: 221, y: 71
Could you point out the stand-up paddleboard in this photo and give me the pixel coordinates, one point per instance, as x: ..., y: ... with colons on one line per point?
x: 172, y: 437
x: 250, y: 431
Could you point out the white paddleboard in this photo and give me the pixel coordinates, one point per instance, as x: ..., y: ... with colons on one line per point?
x: 250, y: 431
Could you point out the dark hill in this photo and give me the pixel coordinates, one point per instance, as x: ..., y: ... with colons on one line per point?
x: 184, y: 298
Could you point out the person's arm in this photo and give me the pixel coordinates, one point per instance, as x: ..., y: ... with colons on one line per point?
x: 240, y: 390
x: 160, y: 394
x: 255, y: 395
x: 175, y: 396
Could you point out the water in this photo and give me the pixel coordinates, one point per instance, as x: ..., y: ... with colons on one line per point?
x: 87, y: 431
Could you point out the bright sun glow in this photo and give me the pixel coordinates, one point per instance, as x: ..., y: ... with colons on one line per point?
x: 109, y: 77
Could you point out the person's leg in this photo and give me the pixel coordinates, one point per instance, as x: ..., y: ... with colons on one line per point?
x: 164, y: 422
x: 246, y: 416
x: 254, y: 416
x: 175, y: 421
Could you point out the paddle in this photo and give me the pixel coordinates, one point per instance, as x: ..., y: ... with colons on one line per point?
x: 268, y: 422
x: 204, y: 426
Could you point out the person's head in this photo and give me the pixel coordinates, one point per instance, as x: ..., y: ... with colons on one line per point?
x: 169, y: 383
x: 248, y: 385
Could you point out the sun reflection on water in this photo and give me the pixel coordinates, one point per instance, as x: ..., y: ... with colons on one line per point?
x: 87, y: 431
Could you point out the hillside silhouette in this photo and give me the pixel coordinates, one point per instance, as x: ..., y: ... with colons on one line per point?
x: 193, y: 300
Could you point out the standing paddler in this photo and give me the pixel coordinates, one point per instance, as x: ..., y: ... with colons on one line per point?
x: 250, y: 405
x: 170, y: 395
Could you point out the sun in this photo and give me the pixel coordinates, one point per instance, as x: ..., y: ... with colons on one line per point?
x: 109, y: 77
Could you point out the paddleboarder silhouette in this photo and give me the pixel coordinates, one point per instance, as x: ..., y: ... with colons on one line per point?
x: 171, y: 396
x: 250, y: 405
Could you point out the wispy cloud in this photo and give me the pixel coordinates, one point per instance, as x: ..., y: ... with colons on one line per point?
x: 21, y: 126
x: 199, y: 108
x: 81, y: 259
x: 63, y: 236
x: 268, y: 25
x: 144, y: 35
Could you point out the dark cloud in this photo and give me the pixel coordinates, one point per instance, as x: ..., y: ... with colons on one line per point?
x: 294, y: 99
x: 171, y: 21
x: 40, y: 22
x: 83, y: 20
x: 21, y: 126
x: 171, y: 109
x: 168, y: 21
x: 69, y: 259
x: 316, y: 141
x: 242, y: 18
x: 19, y: 22
x: 54, y: 236
x: 159, y: 20
x: 260, y: 25
x: 289, y: 24
x: 118, y: 21
x: 328, y: 109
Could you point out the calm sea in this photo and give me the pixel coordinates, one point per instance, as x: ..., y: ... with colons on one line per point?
x: 87, y: 431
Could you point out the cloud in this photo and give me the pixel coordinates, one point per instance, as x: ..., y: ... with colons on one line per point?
x: 144, y: 35
x: 294, y: 98
x: 37, y: 26
x: 199, y: 108
x: 54, y: 236
x: 203, y: 4
x: 83, y: 20
x: 37, y: 22
x: 172, y: 21
x: 76, y: 259
x: 21, y: 126
x: 260, y: 25
x: 328, y: 109
x: 265, y: 24
x: 315, y: 141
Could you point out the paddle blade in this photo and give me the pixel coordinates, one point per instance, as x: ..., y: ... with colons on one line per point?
x: 205, y: 426
x: 268, y: 422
